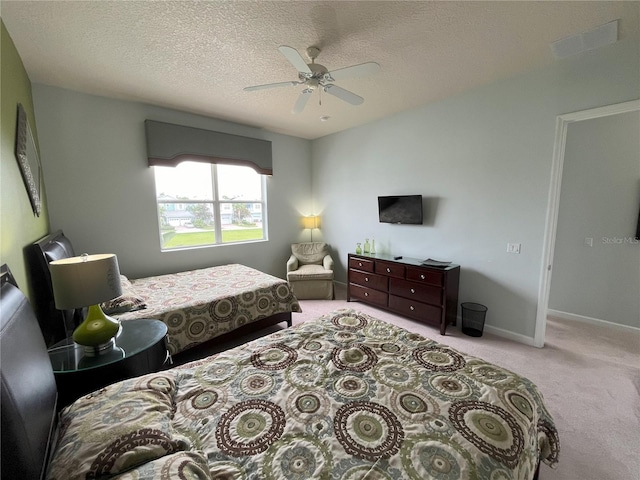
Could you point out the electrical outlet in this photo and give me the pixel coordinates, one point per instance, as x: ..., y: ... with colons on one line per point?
x: 513, y: 247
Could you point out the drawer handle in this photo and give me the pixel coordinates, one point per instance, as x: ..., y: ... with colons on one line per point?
x: 366, y: 279
x: 411, y: 308
x: 422, y: 276
x: 359, y: 264
x: 413, y: 291
x: 388, y: 270
x: 366, y: 294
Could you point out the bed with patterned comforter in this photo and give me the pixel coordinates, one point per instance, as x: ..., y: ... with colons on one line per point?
x: 346, y: 396
x: 199, y: 305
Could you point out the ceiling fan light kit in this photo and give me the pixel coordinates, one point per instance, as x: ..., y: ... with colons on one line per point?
x: 314, y: 76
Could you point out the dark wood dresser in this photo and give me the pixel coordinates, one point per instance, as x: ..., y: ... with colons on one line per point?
x: 406, y: 287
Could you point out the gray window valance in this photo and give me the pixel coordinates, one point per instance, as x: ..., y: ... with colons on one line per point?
x: 169, y: 144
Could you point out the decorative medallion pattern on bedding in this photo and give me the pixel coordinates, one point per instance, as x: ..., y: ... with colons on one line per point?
x: 346, y: 396
x: 199, y: 305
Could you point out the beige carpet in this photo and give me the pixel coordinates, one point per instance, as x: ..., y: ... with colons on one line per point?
x: 588, y: 374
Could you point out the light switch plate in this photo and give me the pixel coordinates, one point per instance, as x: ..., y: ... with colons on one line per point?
x: 513, y: 247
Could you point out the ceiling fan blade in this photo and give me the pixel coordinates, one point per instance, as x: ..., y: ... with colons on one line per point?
x: 304, y: 97
x: 361, y: 70
x: 295, y: 59
x: 343, y: 94
x: 270, y: 85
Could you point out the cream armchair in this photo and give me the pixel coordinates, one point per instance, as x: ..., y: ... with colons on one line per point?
x: 310, y: 271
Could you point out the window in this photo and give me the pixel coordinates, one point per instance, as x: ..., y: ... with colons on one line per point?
x: 203, y: 204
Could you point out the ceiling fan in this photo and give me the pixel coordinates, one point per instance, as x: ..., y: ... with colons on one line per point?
x: 315, y: 76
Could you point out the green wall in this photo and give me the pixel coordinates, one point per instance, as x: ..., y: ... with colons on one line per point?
x: 19, y: 226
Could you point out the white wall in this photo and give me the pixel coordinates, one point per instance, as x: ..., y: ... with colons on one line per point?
x: 101, y: 192
x: 483, y: 161
x: 599, y: 199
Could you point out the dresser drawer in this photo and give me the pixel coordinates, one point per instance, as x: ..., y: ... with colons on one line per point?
x: 370, y: 295
x: 390, y: 269
x: 418, y: 292
x: 361, y: 264
x: 417, y: 310
x: 370, y: 280
x: 423, y: 275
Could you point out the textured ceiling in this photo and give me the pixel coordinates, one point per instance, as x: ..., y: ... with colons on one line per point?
x: 198, y: 56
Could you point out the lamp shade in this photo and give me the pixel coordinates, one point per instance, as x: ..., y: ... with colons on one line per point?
x: 310, y: 221
x: 85, y: 280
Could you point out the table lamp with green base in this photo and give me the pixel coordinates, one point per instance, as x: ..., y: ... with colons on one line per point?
x: 87, y: 281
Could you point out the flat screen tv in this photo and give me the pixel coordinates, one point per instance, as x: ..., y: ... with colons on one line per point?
x: 400, y: 209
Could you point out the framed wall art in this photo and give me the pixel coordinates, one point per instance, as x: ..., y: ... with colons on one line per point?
x: 27, y: 155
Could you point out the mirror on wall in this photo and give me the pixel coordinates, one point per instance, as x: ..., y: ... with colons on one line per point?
x: 27, y: 155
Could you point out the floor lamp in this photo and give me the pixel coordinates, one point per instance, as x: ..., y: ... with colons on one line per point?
x: 311, y: 222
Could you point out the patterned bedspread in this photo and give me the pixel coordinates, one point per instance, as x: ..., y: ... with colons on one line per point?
x: 344, y: 397
x: 199, y: 305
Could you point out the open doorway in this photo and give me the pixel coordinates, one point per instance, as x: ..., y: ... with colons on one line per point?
x: 562, y: 128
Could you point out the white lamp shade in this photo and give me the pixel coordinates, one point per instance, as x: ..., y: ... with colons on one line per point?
x: 85, y: 280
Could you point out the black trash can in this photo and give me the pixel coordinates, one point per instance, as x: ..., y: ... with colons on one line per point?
x: 473, y: 315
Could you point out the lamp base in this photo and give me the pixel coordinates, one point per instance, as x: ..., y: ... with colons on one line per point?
x: 97, y: 350
x: 96, y: 333
x: 89, y: 361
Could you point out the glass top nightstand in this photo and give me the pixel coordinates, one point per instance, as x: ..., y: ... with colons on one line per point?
x: 135, y: 336
x: 140, y: 348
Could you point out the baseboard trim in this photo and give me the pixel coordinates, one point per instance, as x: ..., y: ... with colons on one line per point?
x: 596, y: 321
x: 342, y: 284
x: 516, y: 337
x: 499, y: 332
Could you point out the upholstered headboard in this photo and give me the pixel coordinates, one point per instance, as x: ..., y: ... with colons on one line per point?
x: 54, y: 323
x: 28, y: 395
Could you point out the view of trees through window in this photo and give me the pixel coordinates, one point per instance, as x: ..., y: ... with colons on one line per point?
x: 207, y: 204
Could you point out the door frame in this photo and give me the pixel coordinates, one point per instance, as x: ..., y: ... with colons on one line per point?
x: 553, y: 202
